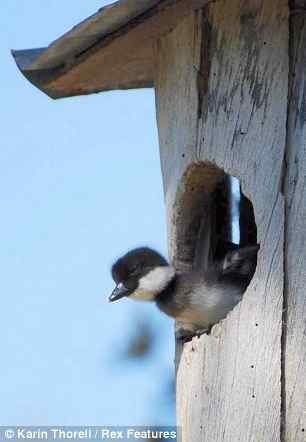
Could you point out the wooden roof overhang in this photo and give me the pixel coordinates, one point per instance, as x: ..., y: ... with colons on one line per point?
x: 112, y: 49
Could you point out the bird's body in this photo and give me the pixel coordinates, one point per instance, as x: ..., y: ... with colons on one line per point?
x: 197, y: 300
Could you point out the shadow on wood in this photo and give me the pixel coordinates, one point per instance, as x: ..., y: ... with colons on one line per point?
x: 202, y: 220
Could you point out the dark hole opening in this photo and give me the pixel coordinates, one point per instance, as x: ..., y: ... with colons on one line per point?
x: 212, y: 217
x: 210, y: 199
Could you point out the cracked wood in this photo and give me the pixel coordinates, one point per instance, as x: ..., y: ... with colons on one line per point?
x: 229, y: 383
x: 294, y: 358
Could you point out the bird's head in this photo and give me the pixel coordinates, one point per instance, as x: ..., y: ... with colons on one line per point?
x: 141, y: 274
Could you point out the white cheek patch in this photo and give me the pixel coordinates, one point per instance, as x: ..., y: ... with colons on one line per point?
x: 156, y: 280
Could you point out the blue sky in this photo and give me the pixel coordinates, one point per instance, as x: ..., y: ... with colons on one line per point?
x: 80, y: 183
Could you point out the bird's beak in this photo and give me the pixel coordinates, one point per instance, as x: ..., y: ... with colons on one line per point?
x: 119, y: 292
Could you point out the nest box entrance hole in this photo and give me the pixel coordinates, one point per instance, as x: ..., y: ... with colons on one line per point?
x: 211, y: 217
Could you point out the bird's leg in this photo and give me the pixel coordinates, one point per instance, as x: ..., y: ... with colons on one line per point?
x: 184, y: 339
x: 182, y: 335
x: 186, y: 334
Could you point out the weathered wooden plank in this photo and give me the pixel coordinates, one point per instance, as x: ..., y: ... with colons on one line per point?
x: 177, y: 104
x: 294, y: 425
x: 106, y: 21
x: 120, y: 59
x: 222, y: 97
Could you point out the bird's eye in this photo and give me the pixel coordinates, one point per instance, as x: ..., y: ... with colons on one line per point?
x: 134, y: 271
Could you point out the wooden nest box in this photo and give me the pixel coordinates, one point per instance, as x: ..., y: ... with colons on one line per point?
x: 229, y: 78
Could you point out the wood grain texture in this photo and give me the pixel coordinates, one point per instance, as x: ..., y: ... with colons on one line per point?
x: 177, y: 104
x: 104, y: 22
x: 221, y: 97
x: 295, y: 234
x: 88, y: 59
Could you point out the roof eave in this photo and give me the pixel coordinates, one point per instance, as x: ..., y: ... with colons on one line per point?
x: 113, y: 49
